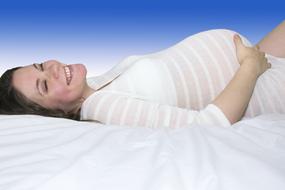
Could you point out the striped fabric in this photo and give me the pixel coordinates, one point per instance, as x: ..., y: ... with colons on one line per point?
x: 175, y: 86
x: 115, y: 108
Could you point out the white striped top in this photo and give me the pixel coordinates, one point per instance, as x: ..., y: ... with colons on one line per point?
x: 175, y: 86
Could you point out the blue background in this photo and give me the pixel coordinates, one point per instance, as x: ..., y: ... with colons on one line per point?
x: 101, y: 33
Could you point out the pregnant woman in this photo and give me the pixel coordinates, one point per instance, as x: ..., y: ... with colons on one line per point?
x: 213, y: 77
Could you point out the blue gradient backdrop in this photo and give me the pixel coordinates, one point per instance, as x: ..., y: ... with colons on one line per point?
x: 101, y: 33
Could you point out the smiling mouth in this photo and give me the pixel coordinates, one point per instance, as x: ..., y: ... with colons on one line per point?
x: 68, y: 74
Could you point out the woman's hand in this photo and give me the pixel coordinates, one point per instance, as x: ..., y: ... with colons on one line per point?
x: 251, y: 57
x: 234, y: 99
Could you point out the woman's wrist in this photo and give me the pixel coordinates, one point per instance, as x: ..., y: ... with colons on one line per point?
x: 249, y: 66
x: 234, y: 99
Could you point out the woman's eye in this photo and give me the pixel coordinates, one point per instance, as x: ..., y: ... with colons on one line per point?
x: 44, y: 86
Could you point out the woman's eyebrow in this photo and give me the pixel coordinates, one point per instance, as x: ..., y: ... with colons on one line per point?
x: 34, y: 64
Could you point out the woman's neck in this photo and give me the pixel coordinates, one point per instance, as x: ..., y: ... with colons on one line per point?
x: 87, y: 92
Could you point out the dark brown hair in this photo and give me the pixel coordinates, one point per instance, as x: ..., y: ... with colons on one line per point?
x: 13, y: 102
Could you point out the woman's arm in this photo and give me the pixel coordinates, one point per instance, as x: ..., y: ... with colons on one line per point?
x: 233, y: 100
x: 274, y: 42
x: 121, y: 108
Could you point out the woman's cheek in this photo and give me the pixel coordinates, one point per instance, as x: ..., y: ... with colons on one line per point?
x: 60, y: 94
x: 66, y: 95
x: 69, y: 96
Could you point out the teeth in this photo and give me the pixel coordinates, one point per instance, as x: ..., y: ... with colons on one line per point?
x: 67, y: 74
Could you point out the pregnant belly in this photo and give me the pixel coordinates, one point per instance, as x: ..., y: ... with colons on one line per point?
x: 203, y: 64
x: 200, y: 66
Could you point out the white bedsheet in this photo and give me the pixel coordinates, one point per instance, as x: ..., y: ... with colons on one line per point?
x: 58, y: 154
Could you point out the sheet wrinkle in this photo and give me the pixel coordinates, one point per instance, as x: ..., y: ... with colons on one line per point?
x: 195, y: 157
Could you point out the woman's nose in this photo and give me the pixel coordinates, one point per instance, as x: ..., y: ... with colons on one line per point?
x: 53, y: 71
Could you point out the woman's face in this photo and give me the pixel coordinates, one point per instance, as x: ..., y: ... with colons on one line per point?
x: 52, y: 84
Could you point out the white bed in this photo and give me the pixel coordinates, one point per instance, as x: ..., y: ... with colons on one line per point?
x: 58, y: 154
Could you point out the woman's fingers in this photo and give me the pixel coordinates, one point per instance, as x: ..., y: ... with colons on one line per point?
x: 243, y: 52
x: 237, y: 40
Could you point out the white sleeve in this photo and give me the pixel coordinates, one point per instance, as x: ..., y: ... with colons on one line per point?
x: 117, y: 109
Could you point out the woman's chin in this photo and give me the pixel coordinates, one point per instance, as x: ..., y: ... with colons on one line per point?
x: 82, y: 69
x: 79, y: 73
